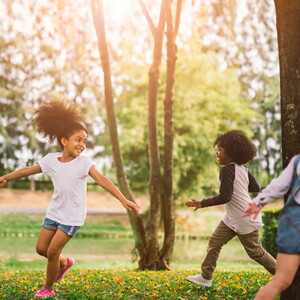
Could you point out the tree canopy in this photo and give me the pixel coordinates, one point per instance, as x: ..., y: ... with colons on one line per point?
x: 49, y: 48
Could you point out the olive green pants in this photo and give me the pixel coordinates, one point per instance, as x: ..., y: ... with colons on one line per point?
x: 251, y: 242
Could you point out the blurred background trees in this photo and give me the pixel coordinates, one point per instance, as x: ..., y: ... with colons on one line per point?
x: 226, y: 77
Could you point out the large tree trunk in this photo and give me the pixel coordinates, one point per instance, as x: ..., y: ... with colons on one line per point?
x: 136, y: 221
x: 288, y: 31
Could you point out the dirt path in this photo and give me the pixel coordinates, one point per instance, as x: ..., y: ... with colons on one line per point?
x: 40, y: 200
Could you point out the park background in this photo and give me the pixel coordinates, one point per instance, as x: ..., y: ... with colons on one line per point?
x: 227, y: 77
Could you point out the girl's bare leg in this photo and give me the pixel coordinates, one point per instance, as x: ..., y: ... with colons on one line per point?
x: 59, y: 240
x: 43, y: 242
x: 286, y: 268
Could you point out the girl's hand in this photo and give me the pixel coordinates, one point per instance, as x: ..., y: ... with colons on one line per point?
x: 2, y: 181
x: 194, y: 203
x: 129, y: 205
x: 253, y: 209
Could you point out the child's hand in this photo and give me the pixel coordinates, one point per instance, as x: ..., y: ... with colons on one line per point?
x: 252, y: 209
x: 131, y: 205
x: 2, y: 181
x: 194, y: 203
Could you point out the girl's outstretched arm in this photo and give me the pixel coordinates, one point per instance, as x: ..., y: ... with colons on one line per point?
x: 253, y: 209
x: 111, y: 188
x: 24, y: 172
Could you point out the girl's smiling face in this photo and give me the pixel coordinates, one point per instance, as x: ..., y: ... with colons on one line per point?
x: 222, y: 157
x: 75, y: 144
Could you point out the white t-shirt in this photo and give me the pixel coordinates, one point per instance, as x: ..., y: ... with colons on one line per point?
x: 68, y: 205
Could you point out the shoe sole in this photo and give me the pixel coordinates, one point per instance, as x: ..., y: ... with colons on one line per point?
x: 199, y: 282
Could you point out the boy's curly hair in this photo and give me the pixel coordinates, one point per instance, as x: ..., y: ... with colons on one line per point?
x: 237, y: 146
x: 57, y: 119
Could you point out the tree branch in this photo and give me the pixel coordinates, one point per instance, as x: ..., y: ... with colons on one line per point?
x: 177, y: 18
x: 147, y: 15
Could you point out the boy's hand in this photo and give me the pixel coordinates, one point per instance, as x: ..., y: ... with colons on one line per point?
x: 129, y: 205
x: 194, y: 203
x: 2, y: 181
x: 252, y: 209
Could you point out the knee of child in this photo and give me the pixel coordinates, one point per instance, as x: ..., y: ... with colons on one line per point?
x: 41, y: 251
x: 256, y: 253
x: 52, y: 253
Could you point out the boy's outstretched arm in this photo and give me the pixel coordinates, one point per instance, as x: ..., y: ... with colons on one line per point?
x: 194, y: 203
x: 24, y: 172
x: 111, y: 188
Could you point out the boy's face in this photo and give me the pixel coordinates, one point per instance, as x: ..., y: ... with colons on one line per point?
x: 222, y: 157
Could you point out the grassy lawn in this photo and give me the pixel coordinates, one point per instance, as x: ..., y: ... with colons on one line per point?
x: 24, y: 224
x: 126, y: 283
x: 104, y: 270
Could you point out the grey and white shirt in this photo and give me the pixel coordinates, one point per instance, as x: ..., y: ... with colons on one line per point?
x: 236, y: 182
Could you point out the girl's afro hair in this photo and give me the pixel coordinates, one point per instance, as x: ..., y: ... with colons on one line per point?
x: 57, y: 119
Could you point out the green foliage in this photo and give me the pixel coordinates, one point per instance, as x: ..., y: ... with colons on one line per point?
x: 50, y: 52
x: 243, y: 34
x: 41, y: 60
x: 129, y: 284
x: 269, y: 235
x: 207, y: 102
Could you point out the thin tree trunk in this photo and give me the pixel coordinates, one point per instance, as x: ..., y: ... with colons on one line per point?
x: 288, y: 25
x: 167, y: 196
x: 150, y: 260
x: 136, y: 221
x: 147, y: 239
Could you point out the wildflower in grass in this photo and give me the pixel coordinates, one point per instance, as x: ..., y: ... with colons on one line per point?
x: 121, y: 282
x: 171, y: 286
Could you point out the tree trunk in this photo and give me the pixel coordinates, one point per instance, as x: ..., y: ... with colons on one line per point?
x: 288, y: 24
x: 151, y: 256
x: 167, y: 195
x: 135, y: 220
x: 147, y: 238
x: 288, y: 31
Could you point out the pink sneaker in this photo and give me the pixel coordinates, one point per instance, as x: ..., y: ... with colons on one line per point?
x: 44, y: 293
x: 61, y: 273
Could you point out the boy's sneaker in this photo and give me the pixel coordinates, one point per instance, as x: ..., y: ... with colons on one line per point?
x: 62, y: 272
x: 44, y: 293
x: 198, y: 279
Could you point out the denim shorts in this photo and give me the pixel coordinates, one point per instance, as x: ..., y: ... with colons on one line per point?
x: 53, y: 225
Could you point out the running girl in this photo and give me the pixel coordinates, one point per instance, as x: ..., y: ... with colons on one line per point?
x: 69, y: 171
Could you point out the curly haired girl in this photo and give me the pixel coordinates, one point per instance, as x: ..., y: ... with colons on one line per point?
x: 69, y: 171
x: 233, y: 150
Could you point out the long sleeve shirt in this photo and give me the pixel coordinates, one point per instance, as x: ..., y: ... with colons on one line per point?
x: 235, y: 184
x: 279, y: 186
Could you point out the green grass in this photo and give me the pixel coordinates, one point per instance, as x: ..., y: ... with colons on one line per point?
x: 125, y: 283
x: 104, y: 270
x: 29, y: 224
